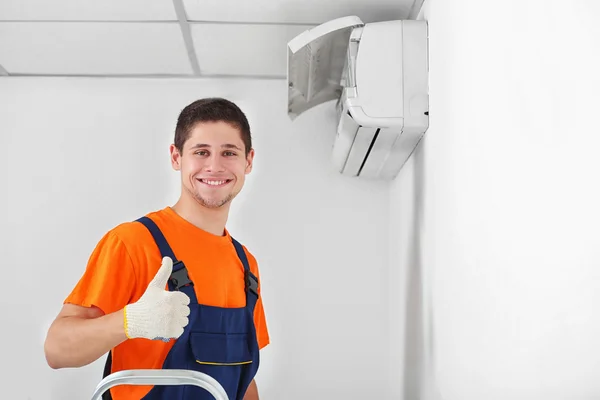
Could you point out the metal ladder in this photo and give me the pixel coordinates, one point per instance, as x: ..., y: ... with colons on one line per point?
x: 161, y: 377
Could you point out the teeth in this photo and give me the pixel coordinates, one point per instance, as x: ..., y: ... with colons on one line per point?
x: 214, y: 183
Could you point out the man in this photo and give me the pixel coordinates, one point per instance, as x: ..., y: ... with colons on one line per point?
x: 173, y: 289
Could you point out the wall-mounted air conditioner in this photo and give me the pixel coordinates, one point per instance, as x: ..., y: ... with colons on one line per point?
x: 378, y: 74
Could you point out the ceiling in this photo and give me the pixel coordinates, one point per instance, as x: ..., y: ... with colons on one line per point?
x: 167, y: 38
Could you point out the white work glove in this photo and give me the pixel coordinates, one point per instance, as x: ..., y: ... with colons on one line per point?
x: 159, y: 313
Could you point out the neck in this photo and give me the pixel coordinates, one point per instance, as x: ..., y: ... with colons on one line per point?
x: 209, y: 220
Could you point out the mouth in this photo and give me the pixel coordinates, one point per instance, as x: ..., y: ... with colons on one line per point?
x: 215, y: 183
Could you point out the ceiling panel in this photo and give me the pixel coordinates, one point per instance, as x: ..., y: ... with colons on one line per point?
x: 295, y: 11
x: 234, y: 49
x: 92, y: 48
x: 103, y: 10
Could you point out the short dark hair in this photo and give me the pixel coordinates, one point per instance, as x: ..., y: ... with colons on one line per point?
x: 211, y: 109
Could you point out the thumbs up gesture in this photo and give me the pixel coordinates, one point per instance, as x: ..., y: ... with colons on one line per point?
x: 159, y: 313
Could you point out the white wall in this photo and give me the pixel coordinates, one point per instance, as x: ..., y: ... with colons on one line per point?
x: 496, y: 216
x: 81, y: 155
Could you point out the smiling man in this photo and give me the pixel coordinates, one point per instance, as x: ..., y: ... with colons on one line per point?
x: 173, y: 289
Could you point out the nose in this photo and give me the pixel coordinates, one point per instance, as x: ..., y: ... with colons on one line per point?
x: 214, y: 163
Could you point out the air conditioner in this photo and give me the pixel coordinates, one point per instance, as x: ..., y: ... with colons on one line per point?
x: 378, y: 75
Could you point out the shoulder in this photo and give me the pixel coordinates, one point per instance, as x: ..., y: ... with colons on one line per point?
x: 128, y: 232
x: 251, y: 256
x: 132, y: 235
x: 252, y: 261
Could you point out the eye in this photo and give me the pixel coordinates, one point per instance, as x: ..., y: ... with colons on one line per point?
x: 230, y: 153
x: 201, y: 152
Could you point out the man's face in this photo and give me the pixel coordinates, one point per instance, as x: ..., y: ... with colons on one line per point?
x: 213, y: 163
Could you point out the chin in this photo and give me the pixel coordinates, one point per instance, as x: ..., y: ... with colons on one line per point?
x: 213, y: 203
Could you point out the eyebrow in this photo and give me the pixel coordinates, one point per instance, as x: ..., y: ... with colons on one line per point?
x: 224, y: 146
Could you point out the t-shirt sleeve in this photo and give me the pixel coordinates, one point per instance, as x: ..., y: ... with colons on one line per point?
x: 260, y: 321
x: 109, y: 280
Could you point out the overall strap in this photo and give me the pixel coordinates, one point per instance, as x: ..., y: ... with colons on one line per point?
x: 251, y: 282
x: 161, y: 242
x: 179, y: 279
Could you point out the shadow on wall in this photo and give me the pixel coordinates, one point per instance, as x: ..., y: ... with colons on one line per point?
x: 418, y: 351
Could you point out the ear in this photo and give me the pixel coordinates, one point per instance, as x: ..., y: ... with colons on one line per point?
x: 249, y: 161
x: 175, y: 157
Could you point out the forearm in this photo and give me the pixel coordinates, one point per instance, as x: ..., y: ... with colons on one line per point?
x: 74, y: 341
x: 252, y: 392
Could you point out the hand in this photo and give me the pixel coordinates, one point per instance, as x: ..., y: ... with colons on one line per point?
x: 159, y: 313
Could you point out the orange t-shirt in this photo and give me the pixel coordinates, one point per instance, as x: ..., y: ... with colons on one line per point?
x: 127, y: 258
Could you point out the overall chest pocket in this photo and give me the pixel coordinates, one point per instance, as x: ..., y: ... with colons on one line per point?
x: 220, y: 348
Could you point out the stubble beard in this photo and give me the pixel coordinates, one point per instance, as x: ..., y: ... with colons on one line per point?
x: 211, y: 204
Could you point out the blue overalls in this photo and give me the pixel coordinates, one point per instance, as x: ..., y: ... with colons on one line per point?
x: 220, y: 342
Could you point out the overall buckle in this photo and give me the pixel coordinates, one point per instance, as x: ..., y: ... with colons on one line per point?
x: 251, y: 282
x: 180, y: 277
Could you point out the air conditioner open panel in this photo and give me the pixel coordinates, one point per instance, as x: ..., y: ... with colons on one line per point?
x: 316, y: 62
